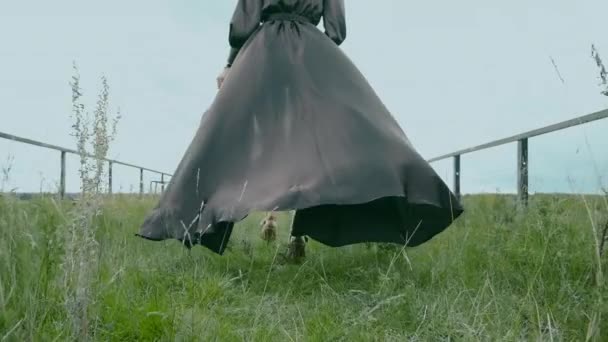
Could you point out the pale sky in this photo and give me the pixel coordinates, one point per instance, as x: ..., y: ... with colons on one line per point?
x: 454, y: 74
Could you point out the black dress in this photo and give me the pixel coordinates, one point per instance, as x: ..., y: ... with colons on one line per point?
x: 295, y: 125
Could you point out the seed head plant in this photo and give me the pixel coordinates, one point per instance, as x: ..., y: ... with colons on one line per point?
x: 603, y: 73
x: 93, y: 137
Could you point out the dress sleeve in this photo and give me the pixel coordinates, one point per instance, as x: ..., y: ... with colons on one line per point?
x: 245, y: 20
x: 334, y: 20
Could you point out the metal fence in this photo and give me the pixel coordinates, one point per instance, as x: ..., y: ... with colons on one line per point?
x: 64, y: 151
x: 520, y: 139
x: 522, y: 150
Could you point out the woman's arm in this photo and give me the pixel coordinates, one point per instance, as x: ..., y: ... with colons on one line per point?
x: 245, y: 20
x: 334, y: 20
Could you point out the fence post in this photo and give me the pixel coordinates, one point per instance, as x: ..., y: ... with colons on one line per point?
x: 62, y: 176
x: 141, y: 181
x: 162, y: 184
x: 522, y: 171
x: 110, y: 177
x: 457, y: 176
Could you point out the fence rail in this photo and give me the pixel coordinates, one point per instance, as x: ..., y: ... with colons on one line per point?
x: 64, y: 151
x: 521, y: 139
x: 522, y: 150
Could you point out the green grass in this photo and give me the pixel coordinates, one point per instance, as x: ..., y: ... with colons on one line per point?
x: 497, y: 274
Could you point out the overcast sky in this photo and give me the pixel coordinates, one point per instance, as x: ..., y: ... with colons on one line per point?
x: 454, y: 74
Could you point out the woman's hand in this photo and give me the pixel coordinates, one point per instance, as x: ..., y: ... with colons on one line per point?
x: 222, y: 76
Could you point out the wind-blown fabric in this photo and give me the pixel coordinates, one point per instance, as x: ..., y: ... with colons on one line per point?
x: 296, y: 126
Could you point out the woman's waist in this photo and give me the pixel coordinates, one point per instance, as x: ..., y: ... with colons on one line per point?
x: 286, y: 16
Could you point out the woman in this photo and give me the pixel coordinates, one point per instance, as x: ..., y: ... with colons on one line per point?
x: 295, y: 126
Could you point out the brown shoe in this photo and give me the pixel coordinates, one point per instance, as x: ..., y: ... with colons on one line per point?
x: 297, y: 249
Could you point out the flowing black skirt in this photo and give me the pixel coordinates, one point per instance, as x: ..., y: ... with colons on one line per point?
x: 297, y: 126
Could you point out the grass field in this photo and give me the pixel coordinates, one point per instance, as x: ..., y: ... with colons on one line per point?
x: 497, y: 274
